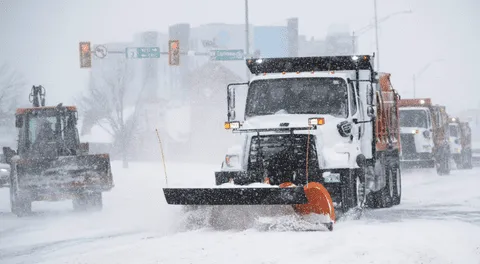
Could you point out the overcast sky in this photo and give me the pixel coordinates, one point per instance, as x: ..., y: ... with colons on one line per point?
x: 40, y: 38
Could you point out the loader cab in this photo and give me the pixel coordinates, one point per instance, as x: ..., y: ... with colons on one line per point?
x: 47, y: 131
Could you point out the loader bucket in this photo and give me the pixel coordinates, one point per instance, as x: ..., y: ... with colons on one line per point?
x: 235, y: 196
x: 92, y: 172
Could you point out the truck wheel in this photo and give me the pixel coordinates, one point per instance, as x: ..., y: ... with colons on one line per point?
x: 444, y: 165
x: 20, y: 203
x: 353, y: 192
x: 348, y: 191
x: 468, y: 160
x: 397, y: 190
x: 360, y: 189
x: 384, y: 197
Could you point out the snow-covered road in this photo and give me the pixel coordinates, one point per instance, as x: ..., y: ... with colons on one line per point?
x: 437, y: 222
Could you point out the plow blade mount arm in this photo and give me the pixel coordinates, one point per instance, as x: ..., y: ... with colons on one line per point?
x: 235, y: 196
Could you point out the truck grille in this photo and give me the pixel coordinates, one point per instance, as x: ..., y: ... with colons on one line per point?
x: 408, y: 144
x: 286, y: 152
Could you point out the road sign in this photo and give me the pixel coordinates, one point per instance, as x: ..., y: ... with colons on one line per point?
x: 100, y: 51
x: 142, y: 52
x: 174, y: 52
x: 227, y: 55
x: 85, y: 55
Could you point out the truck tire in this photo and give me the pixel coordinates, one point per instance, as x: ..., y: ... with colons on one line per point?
x: 353, y: 190
x: 397, y: 191
x: 88, y: 202
x: 20, y: 203
x: 467, y: 159
x: 384, y: 197
x: 444, y: 164
x: 387, y: 192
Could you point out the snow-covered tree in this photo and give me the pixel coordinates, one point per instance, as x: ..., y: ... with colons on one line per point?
x: 13, y: 94
x: 104, y: 105
x: 12, y: 87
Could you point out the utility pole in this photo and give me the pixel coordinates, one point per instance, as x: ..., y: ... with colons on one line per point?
x: 376, y: 35
x: 414, y: 78
x: 353, y: 42
x: 247, y: 37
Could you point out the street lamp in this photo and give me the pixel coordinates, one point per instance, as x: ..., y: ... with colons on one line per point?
x: 420, y: 72
x: 247, y: 37
x: 372, y: 25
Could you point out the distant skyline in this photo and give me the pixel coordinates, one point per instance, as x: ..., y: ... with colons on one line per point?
x: 40, y: 38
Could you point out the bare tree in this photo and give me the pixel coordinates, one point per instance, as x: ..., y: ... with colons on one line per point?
x: 12, y: 87
x: 104, y: 105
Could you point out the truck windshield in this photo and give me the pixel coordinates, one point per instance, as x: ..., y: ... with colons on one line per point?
x: 413, y: 118
x: 327, y: 96
x: 453, y: 131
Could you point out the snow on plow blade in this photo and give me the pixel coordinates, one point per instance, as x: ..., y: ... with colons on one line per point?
x: 235, y: 196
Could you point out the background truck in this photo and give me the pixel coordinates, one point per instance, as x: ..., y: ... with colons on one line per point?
x: 461, y: 143
x: 416, y: 128
x: 328, y: 124
x: 50, y: 163
x: 441, y: 139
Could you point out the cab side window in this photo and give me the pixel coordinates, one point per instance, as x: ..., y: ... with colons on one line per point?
x: 353, y: 99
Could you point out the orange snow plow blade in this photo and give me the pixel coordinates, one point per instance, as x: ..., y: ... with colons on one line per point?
x: 319, y: 200
x: 310, y: 199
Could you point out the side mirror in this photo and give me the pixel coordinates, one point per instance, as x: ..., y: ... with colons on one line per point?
x: 369, y: 95
x: 370, y: 111
x: 84, y: 148
x: 18, y: 121
x: 8, y: 153
x: 231, y: 104
x: 344, y: 128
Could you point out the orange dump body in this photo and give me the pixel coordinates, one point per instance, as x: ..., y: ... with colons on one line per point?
x: 387, y: 126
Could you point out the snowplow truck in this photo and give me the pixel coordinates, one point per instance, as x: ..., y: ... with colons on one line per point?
x: 50, y: 163
x: 441, y: 139
x: 423, y: 135
x: 318, y: 133
x: 461, y: 143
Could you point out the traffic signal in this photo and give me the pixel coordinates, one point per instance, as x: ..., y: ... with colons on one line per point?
x: 85, y: 55
x: 174, y: 52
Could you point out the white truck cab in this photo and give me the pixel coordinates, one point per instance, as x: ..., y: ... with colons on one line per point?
x: 416, y: 133
x: 290, y: 100
x: 455, y: 146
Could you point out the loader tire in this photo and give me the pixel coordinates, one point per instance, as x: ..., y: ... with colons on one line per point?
x: 20, y: 203
x: 88, y: 202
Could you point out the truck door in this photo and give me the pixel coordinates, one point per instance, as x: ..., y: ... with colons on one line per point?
x: 357, y: 129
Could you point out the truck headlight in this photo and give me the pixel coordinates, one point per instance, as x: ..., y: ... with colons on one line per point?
x: 426, y: 134
x: 232, y: 161
x: 3, y: 170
